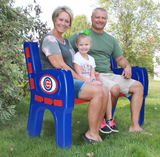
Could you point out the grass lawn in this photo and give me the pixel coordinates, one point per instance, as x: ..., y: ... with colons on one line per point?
x: 15, y: 142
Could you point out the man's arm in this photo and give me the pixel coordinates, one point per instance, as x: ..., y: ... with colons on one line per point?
x: 122, y: 62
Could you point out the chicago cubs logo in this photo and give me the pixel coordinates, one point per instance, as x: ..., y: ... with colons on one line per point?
x: 48, y: 84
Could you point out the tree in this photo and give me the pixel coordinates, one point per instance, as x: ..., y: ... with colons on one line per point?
x: 135, y: 25
x: 79, y: 23
x: 16, y: 27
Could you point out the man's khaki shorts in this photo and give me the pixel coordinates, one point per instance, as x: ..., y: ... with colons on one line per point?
x: 110, y: 79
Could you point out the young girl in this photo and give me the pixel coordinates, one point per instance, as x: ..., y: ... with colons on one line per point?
x: 84, y: 66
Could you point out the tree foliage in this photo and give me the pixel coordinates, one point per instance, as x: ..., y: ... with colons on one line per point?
x: 16, y: 26
x: 135, y: 25
x: 79, y: 23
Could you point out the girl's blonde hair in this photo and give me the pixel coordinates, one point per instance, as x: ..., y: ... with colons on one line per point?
x: 82, y: 36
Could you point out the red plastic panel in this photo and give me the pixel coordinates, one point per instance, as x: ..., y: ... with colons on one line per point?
x: 32, y: 86
x: 27, y: 52
x: 30, y: 71
x: 121, y: 95
x: 48, y: 101
x: 38, y: 98
x: 58, y: 102
x: 79, y: 101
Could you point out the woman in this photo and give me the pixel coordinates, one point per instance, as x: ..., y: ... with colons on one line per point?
x: 56, y: 52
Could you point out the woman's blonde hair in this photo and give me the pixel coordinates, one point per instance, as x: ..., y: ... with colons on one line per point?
x: 60, y: 9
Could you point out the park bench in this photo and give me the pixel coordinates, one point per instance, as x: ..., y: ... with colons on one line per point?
x: 53, y: 89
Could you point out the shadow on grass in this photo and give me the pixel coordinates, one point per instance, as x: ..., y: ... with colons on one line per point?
x: 48, y: 128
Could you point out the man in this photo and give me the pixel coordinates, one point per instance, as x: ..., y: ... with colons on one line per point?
x: 104, y: 45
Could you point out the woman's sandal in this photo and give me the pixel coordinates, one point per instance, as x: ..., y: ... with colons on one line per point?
x: 87, y: 140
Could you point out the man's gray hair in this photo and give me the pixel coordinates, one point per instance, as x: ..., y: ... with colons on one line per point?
x: 102, y: 9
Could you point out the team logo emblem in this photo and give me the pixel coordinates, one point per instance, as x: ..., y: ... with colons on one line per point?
x: 48, y: 84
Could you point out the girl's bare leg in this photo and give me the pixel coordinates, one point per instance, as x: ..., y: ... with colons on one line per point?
x: 109, y: 108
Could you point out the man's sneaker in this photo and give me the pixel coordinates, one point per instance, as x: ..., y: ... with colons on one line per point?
x: 112, y: 126
x: 104, y: 128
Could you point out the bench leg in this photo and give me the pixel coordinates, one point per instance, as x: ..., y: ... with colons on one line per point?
x: 141, y: 115
x: 35, y: 120
x: 63, y: 130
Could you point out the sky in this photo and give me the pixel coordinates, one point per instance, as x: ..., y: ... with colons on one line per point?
x: 47, y: 6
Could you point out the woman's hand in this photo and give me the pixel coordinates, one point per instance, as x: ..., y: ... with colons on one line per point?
x: 97, y: 83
